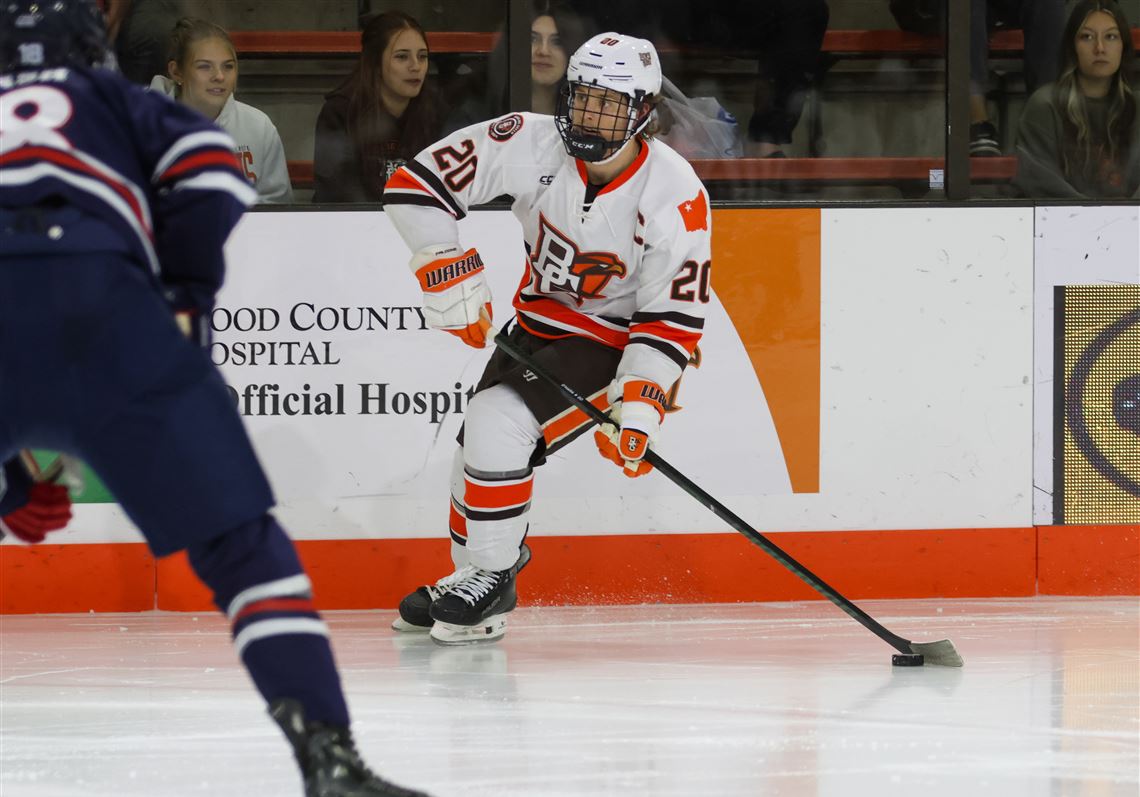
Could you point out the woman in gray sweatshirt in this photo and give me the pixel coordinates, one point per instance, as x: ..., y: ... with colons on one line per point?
x: 202, y: 73
x: 1079, y: 138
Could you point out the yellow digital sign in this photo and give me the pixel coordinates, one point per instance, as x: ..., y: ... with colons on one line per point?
x: 1097, y: 455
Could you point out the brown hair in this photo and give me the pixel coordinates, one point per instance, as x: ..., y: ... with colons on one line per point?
x: 368, y: 121
x: 189, y: 31
x: 1081, y: 142
x: 573, y: 30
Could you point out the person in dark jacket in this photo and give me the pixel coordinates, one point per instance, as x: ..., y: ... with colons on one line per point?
x: 380, y: 117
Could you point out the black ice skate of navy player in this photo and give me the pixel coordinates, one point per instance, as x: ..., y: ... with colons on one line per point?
x: 617, y: 233
x: 114, y: 206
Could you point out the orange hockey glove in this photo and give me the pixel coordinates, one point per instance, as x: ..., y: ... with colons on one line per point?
x: 639, y: 406
x: 456, y: 296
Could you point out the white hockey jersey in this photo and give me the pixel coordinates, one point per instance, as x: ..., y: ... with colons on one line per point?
x: 629, y: 269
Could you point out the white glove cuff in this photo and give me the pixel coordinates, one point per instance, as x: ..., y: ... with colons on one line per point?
x: 432, y: 253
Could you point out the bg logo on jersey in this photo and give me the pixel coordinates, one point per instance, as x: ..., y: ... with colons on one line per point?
x: 559, y: 266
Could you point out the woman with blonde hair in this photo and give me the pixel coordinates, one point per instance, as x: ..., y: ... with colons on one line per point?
x: 1078, y: 137
x: 201, y: 72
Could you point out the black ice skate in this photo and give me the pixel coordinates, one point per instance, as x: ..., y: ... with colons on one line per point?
x: 415, y: 608
x: 330, y: 765
x: 475, y: 606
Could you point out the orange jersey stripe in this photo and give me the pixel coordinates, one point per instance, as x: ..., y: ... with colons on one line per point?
x: 626, y: 173
x: 685, y: 338
x: 484, y: 496
x: 403, y: 179
x: 575, y: 323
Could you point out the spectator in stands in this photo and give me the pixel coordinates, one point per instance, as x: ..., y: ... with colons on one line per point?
x: 1080, y: 137
x: 555, y: 32
x: 380, y: 117
x: 1040, y: 21
x: 202, y: 71
x: 140, y: 29
x: 785, y: 35
x: 789, y: 34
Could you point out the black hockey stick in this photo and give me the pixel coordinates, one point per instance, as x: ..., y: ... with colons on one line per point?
x: 913, y: 653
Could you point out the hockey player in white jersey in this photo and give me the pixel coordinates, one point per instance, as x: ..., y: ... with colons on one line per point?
x: 614, y: 286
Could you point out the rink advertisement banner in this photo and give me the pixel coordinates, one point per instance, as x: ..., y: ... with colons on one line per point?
x: 860, y: 369
x: 1098, y: 247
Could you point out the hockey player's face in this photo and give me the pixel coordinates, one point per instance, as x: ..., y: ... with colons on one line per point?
x: 600, y: 111
x: 208, y: 77
x: 405, y: 64
x: 548, y: 58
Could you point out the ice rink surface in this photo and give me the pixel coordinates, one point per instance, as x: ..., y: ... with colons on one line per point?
x: 669, y: 701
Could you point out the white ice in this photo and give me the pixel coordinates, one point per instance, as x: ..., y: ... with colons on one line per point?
x: 750, y: 699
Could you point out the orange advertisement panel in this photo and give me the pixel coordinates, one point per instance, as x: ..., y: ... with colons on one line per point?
x: 766, y: 273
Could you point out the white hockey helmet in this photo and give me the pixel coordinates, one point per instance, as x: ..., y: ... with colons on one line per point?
x: 618, y: 63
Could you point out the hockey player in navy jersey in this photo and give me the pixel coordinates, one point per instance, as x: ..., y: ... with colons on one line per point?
x: 114, y: 207
x: 617, y: 233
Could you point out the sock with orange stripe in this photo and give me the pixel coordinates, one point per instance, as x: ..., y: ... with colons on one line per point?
x: 497, y: 508
x: 499, y: 438
x: 258, y: 582
x: 457, y: 516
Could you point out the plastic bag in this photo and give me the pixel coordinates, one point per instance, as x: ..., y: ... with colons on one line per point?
x: 697, y: 127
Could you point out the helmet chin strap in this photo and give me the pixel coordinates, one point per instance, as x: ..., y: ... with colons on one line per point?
x: 614, y: 154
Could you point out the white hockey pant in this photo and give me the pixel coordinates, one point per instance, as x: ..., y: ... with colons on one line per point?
x: 499, y: 437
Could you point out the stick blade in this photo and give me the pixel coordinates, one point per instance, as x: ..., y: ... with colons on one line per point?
x: 941, y: 652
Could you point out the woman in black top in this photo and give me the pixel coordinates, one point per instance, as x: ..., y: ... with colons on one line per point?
x: 380, y: 117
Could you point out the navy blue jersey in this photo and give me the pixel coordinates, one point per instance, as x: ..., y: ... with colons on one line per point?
x: 162, y: 178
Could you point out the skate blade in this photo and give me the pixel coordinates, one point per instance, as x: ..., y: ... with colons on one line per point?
x: 403, y: 626
x: 488, y: 631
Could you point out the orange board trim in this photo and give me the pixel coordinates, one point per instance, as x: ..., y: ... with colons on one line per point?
x: 616, y: 569
x: 1089, y: 560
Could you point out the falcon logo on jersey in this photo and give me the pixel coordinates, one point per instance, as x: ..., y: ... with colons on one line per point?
x: 559, y: 266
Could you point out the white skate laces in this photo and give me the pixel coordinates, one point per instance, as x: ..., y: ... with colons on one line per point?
x: 475, y: 584
x: 444, y: 585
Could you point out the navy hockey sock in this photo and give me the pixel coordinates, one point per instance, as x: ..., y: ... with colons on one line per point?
x: 259, y: 584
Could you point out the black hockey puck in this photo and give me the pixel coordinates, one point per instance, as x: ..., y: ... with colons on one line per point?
x: 908, y: 660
